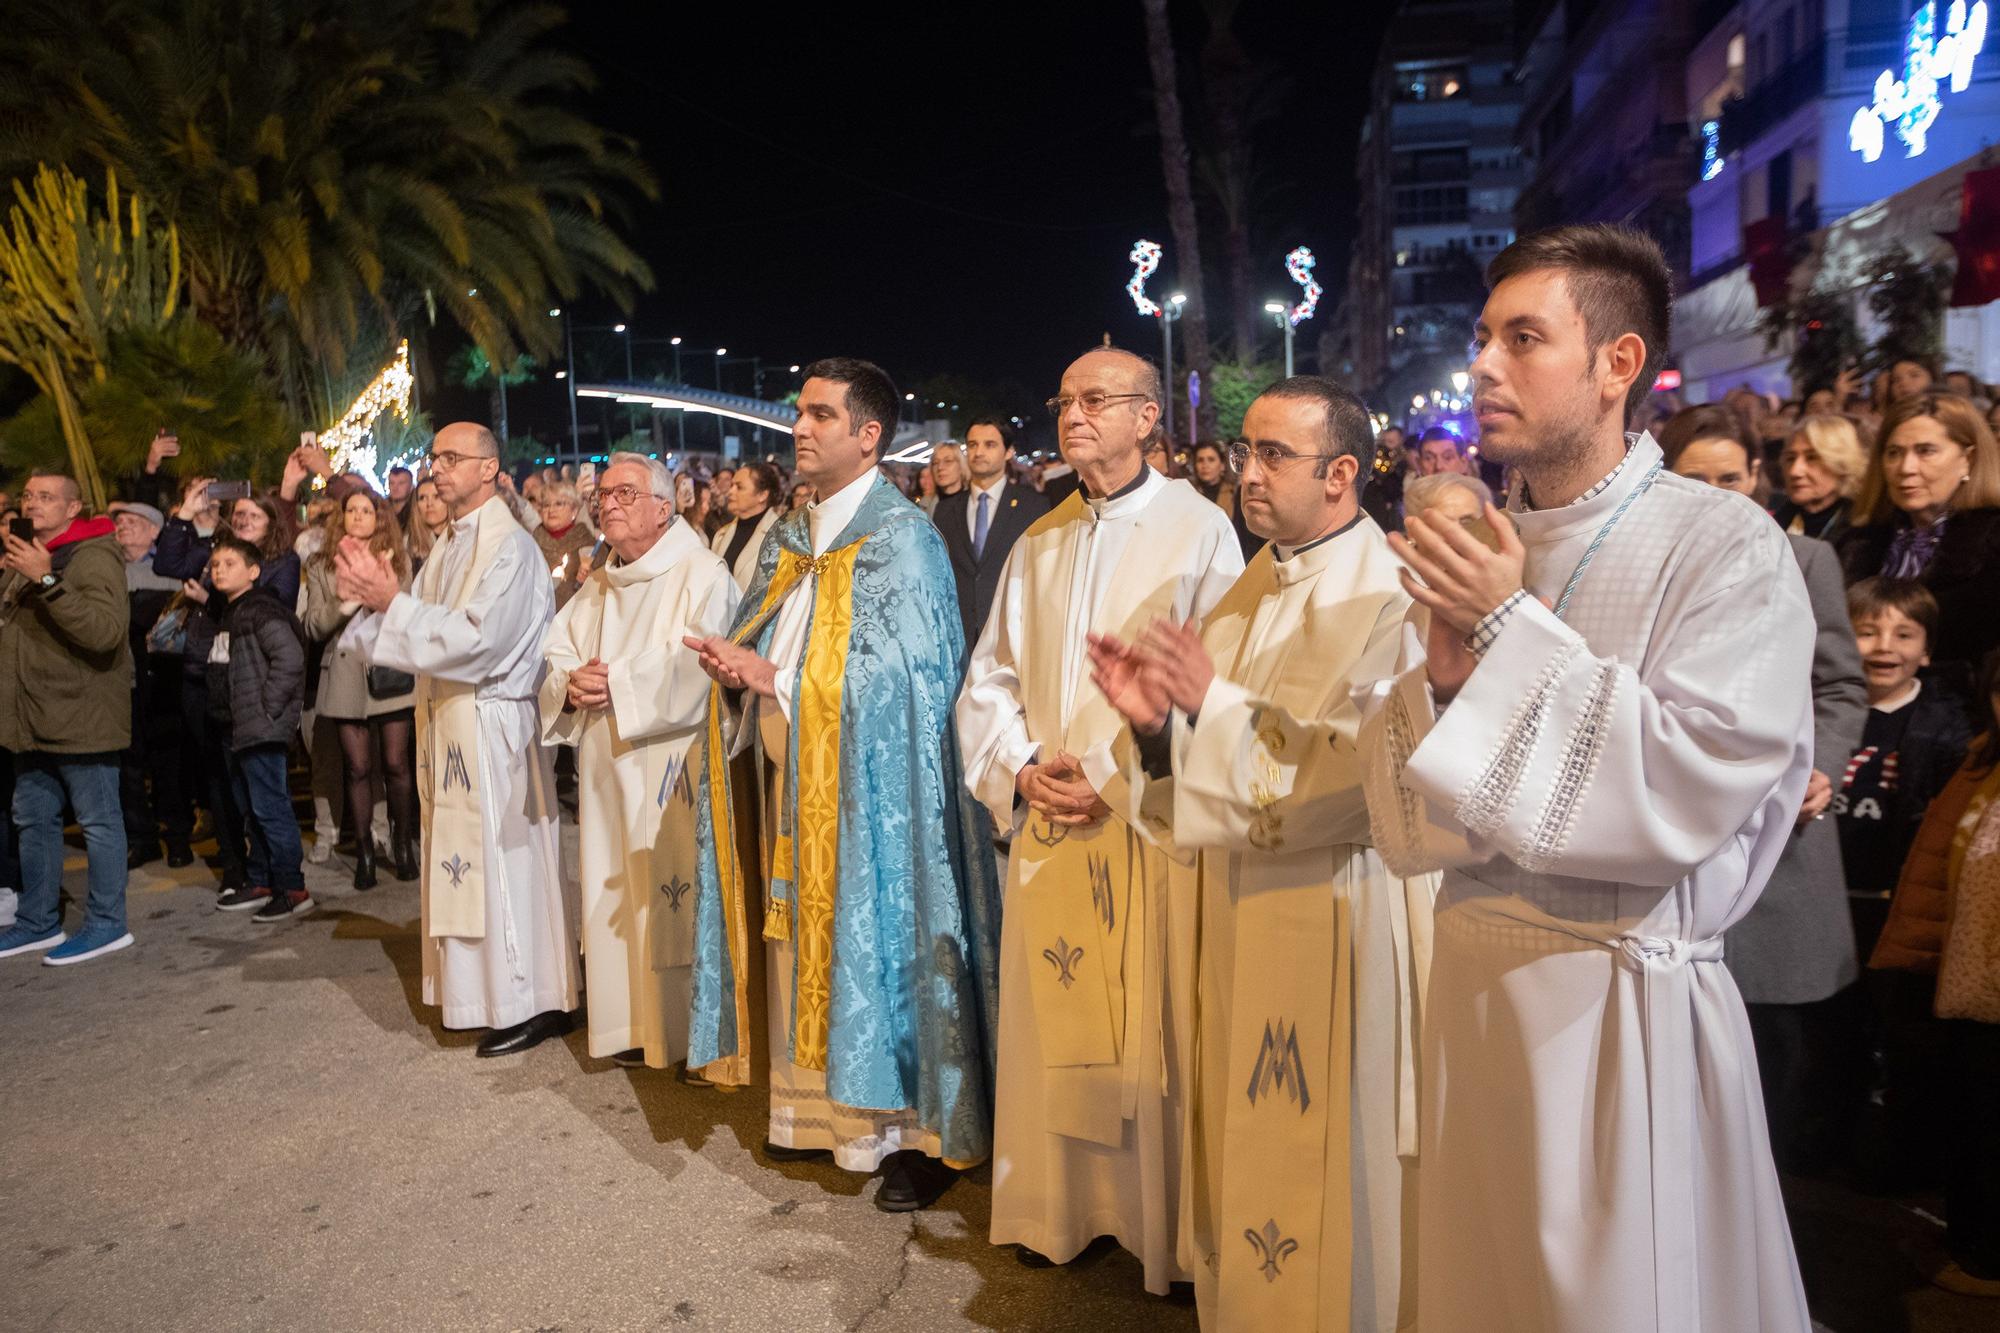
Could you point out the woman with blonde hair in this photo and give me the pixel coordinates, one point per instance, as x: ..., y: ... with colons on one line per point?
x: 563, y: 535
x: 428, y: 518
x: 1822, y: 467
x: 1929, y: 509
x: 367, y: 704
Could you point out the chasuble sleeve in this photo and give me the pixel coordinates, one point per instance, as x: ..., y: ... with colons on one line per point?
x: 658, y: 686
x: 1567, y: 762
x: 560, y: 650
x: 501, y: 623
x: 992, y: 721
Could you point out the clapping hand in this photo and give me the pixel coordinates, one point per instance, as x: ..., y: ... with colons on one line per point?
x: 364, y: 576
x: 1168, y: 667
x: 590, y: 685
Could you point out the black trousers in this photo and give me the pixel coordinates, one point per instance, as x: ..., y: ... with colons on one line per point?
x: 1972, y: 1146
x: 157, y: 775
x: 204, y: 737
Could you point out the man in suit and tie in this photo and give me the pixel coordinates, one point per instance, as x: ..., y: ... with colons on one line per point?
x: 982, y: 520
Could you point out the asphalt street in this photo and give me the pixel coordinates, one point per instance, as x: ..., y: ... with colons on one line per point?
x: 239, y: 1126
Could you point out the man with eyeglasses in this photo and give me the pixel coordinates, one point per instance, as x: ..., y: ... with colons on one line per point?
x: 1307, y: 981
x: 622, y: 690
x: 1088, y: 1125
x: 498, y: 918
x: 877, y: 935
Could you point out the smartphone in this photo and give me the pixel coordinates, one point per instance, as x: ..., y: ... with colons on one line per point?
x: 22, y: 526
x: 224, y: 491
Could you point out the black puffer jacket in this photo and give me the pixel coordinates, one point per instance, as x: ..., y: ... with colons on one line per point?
x: 261, y: 690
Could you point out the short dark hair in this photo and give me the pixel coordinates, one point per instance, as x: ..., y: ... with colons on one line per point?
x: 871, y: 394
x: 400, y: 468
x: 1618, y: 280
x: 766, y: 477
x: 1709, y: 421
x: 1908, y: 596
x: 1440, y: 433
x: 1001, y: 424
x: 1348, y: 430
x: 250, y: 554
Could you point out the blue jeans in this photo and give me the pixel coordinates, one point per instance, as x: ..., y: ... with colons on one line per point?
x: 277, y: 854
x: 40, y: 779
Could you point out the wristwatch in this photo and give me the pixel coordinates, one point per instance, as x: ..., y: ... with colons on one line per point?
x: 50, y: 580
x: 50, y: 585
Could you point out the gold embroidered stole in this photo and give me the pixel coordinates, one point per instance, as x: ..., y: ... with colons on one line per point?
x: 1082, y: 894
x: 806, y: 849
x: 1280, y: 1109
x: 449, y: 769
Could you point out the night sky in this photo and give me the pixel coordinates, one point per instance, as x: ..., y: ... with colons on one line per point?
x: 942, y: 189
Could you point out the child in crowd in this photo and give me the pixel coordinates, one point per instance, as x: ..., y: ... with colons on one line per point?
x: 256, y: 690
x: 1914, y: 740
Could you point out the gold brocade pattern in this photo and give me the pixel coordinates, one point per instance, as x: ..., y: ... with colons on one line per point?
x: 722, y: 816
x: 816, y: 830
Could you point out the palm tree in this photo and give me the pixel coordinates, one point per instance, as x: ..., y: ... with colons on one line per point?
x: 1180, y: 200
x: 341, y: 171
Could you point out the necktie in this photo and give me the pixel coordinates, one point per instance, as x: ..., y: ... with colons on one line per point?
x: 979, y: 521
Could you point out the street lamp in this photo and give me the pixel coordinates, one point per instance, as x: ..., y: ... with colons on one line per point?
x: 569, y: 363
x: 1277, y: 309
x: 1169, y: 312
x: 1459, y: 381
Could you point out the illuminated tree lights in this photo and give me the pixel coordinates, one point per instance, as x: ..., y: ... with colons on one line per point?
x: 349, y: 442
x: 1711, y: 149
x: 1931, y: 64
x: 1145, y: 259
x: 1299, y: 263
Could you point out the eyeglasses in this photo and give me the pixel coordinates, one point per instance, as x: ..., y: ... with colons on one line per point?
x: 626, y: 496
x: 449, y: 460
x: 1270, y: 457
x: 1092, y: 402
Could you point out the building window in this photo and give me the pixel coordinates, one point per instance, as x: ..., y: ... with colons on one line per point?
x: 1418, y: 205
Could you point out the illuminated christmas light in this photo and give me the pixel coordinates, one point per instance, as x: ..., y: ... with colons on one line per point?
x: 1931, y: 64
x: 1299, y: 263
x: 348, y: 442
x: 1711, y: 149
x: 1145, y: 259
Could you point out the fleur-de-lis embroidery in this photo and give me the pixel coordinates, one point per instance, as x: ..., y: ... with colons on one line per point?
x: 1272, y: 1246
x: 1278, y: 1067
x: 1065, y: 959
x: 456, y: 868
x: 1100, y: 890
x: 1048, y: 834
x: 454, y: 768
x: 675, y: 889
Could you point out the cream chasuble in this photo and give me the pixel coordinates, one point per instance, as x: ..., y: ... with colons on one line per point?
x: 1088, y: 1115
x: 1607, y: 795
x: 1299, y: 1208
x: 471, y: 630
x: 635, y: 816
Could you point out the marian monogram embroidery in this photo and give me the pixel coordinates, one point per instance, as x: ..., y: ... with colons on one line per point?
x: 1100, y: 890
x: 675, y: 889
x: 1065, y: 959
x: 675, y: 782
x: 1278, y: 1067
x: 1272, y: 1246
x: 456, y: 868
x: 454, y: 768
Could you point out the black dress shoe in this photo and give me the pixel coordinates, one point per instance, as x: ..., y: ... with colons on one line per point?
x: 1028, y: 1258
x: 911, y: 1181
x: 632, y: 1059
x: 781, y: 1154
x: 142, y: 854
x: 364, y: 866
x: 514, y: 1040
x: 179, y: 854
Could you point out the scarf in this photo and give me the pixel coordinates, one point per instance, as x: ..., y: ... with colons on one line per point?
x: 1912, y: 549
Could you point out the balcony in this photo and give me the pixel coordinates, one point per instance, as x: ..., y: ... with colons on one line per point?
x: 1749, y: 118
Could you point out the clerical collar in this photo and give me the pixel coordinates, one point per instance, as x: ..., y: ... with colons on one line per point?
x: 1528, y: 500
x: 1122, y: 491
x: 1284, y: 553
x: 836, y: 511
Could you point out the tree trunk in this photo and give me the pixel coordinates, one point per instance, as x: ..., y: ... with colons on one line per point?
x: 1180, y: 206
x: 1225, y: 83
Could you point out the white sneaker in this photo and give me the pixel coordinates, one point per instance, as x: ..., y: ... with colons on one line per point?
x: 9, y: 903
x: 320, y: 851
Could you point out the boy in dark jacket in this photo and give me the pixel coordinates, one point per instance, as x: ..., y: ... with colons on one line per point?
x: 256, y: 690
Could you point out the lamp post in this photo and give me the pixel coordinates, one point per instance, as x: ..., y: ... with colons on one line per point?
x: 1278, y: 311
x: 568, y: 373
x: 1169, y: 312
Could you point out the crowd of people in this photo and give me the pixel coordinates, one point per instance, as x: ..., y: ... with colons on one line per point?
x: 1597, y: 813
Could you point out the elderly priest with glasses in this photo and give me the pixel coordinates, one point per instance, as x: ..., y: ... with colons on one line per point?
x: 623, y: 690
x: 498, y: 921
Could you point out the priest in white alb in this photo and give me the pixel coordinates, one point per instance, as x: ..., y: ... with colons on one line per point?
x: 1088, y: 1120
x: 1601, y: 731
x: 1311, y: 954
x: 498, y: 919
x: 631, y: 698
